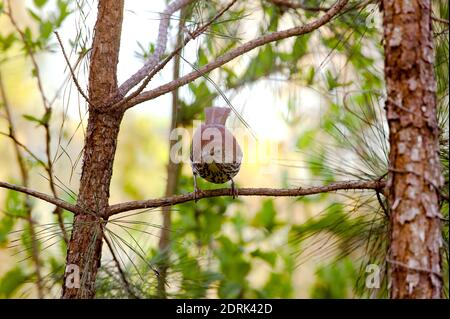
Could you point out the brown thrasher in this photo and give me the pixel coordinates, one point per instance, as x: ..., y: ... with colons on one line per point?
x: 215, y: 153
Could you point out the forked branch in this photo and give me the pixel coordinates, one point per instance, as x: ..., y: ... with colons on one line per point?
x: 161, y: 44
x: 232, y: 54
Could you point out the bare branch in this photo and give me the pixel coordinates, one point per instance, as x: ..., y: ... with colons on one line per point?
x: 281, y: 192
x: 271, y: 37
x: 52, y: 200
x: 161, y: 43
x: 24, y: 147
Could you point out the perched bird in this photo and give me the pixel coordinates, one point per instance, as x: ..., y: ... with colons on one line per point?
x: 215, y: 154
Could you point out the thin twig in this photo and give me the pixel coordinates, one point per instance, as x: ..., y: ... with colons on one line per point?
x: 12, y: 136
x: 25, y: 182
x: 444, y: 21
x: 30, y: 53
x: 80, y: 90
x: 126, y: 284
x: 274, y: 192
x: 48, y: 111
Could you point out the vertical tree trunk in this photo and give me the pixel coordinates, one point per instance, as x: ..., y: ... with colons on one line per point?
x: 173, y: 171
x: 415, y: 173
x: 84, y: 250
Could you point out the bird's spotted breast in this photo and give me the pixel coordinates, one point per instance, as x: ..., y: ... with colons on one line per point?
x: 217, y: 173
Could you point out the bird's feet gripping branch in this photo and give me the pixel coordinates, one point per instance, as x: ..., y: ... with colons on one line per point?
x: 215, y: 154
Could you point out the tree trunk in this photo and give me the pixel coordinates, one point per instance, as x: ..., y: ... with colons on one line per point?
x: 415, y: 172
x: 173, y: 171
x: 85, y: 245
x: 84, y: 250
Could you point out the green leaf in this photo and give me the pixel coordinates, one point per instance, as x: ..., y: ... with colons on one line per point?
x: 39, y: 3
x: 202, y: 59
x: 230, y: 289
x: 12, y: 281
x: 306, y: 139
x: 266, y: 216
x: 64, y: 12
x: 300, y: 46
x: 34, y: 15
x: 42, y: 121
x: 331, y: 80
x: 46, y: 29
x: 6, y: 225
x: 15, y: 203
x: 310, y: 75
x: 31, y: 118
x: 269, y: 257
x: 334, y: 281
x: 46, y: 118
x: 278, y: 286
x: 7, y: 42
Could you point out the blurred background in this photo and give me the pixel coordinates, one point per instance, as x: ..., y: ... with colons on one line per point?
x: 307, y: 111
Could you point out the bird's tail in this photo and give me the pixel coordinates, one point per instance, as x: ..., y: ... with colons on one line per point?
x: 216, y: 115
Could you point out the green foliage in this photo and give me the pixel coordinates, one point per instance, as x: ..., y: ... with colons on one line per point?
x: 266, y: 216
x: 39, y: 3
x: 6, y: 41
x: 234, y: 266
x: 40, y: 122
x: 14, y: 208
x: 47, y: 24
x: 12, y: 281
x: 334, y: 281
x: 144, y: 53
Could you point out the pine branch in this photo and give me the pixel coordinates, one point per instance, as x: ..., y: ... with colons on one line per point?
x: 52, y: 200
x: 274, y: 192
x: 232, y: 54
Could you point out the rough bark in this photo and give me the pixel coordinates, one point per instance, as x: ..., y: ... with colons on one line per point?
x: 415, y: 173
x: 84, y: 250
